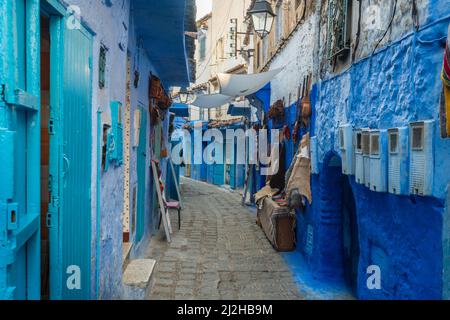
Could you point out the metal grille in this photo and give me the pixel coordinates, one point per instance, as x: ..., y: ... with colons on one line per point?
x: 366, y: 143
x: 338, y: 14
x: 393, y: 142
x: 341, y: 138
x: 359, y: 142
x: 102, y: 67
x: 375, y: 144
x: 417, y: 136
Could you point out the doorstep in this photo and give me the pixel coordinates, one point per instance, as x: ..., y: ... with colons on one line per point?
x: 136, y: 278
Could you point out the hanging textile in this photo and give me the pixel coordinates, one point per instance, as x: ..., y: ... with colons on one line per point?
x: 206, y: 101
x: 299, y: 180
x: 240, y: 85
x: 445, y: 96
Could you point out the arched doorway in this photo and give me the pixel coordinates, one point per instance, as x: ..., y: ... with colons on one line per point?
x: 338, y: 233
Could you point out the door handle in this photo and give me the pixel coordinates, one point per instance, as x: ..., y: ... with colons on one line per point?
x: 66, y: 164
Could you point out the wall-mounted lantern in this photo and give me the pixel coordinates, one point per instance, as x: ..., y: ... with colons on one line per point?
x: 262, y: 17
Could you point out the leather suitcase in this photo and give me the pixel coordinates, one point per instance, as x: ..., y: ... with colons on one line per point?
x: 278, y: 223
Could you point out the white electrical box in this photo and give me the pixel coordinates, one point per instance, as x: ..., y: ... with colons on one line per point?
x: 365, y: 142
x: 359, y: 159
x: 378, y: 161
x: 346, y: 146
x: 398, y: 163
x: 421, y: 158
x: 314, y: 156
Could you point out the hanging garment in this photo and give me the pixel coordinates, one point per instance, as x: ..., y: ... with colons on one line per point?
x: 444, y: 111
x: 299, y: 179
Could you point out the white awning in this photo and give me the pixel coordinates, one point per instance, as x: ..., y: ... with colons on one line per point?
x: 239, y: 85
x: 206, y: 101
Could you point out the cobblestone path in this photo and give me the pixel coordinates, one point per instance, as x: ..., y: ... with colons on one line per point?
x: 219, y: 253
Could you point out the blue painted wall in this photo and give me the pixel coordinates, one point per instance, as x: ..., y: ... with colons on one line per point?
x: 401, y: 234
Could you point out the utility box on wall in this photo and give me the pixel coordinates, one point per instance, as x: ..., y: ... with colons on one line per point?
x: 378, y: 160
x: 422, y: 158
x: 346, y: 146
x: 314, y: 155
x: 365, y: 142
x: 359, y: 159
x: 398, y: 175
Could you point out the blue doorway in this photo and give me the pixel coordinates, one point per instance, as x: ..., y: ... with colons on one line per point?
x: 338, y: 252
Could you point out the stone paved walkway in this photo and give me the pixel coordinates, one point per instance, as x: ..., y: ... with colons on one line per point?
x: 220, y: 252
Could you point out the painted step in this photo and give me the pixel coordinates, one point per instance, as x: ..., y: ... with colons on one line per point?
x: 136, y: 278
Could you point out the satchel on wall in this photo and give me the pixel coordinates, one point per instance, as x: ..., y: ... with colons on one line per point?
x: 276, y: 111
x: 155, y: 90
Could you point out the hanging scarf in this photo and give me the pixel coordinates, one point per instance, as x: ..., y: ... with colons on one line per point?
x: 444, y: 110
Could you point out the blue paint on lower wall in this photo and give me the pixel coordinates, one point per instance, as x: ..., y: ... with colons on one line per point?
x: 401, y: 234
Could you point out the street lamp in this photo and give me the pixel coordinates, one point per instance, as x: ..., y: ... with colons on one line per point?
x: 262, y: 17
x: 183, y: 96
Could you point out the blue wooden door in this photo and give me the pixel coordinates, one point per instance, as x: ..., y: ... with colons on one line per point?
x: 141, y: 176
x: 233, y: 166
x: 20, y: 155
x: 75, y: 215
x: 219, y: 168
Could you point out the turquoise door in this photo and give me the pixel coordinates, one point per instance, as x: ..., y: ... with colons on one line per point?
x: 141, y: 176
x: 219, y: 168
x: 20, y: 155
x: 76, y: 158
x: 233, y: 165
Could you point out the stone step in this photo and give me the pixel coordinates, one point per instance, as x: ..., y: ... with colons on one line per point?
x: 136, y: 278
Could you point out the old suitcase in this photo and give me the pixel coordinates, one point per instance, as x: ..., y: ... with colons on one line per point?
x: 278, y: 223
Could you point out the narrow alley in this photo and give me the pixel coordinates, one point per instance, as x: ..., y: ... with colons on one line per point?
x: 224, y: 150
x: 219, y: 253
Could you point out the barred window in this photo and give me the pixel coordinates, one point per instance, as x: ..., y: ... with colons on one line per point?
x: 338, y: 43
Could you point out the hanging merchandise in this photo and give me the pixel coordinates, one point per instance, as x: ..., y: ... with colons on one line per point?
x: 299, y: 180
x: 295, y: 132
x: 306, y: 111
x: 277, y: 112
x: 154, y: 113
x: 157, y: 92
x: 286, y: 133
x: 445, y: 96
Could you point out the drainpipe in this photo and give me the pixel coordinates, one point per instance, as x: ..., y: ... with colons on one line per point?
x: 97, y: 205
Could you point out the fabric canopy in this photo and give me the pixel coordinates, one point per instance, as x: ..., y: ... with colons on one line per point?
x: 206, y: 101
x: 239, y: 85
